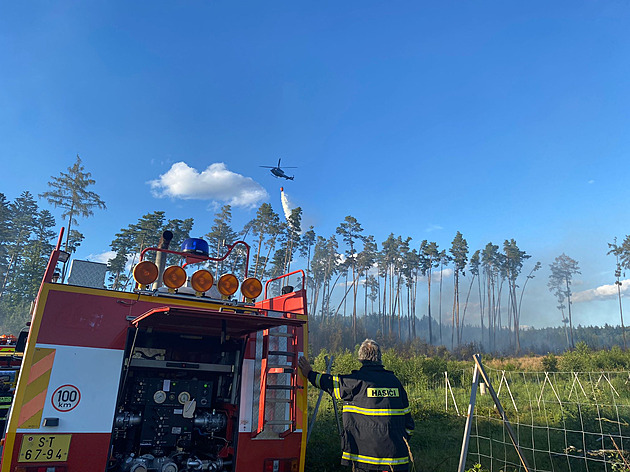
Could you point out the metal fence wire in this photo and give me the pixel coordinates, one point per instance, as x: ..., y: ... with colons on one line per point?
x: 562, y: 421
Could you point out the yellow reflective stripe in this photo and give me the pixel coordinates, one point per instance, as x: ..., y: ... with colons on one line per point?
x: 317, y: 380
x: 336, y: 389
x: 375, y: 460
x: 409, y: 431
x: 376, y: 411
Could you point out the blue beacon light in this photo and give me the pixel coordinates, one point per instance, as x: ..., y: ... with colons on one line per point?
x: 195, y: 246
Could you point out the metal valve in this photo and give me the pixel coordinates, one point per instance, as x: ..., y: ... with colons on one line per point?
x: 212, y: 422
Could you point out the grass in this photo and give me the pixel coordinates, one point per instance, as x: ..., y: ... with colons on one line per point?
x: 564, y: 433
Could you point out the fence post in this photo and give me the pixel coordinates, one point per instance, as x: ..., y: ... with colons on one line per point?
x: 319, y: 399
x: 471, y: 409
x: 497, y: 402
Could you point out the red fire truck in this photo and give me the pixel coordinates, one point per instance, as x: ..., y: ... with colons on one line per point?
x: 182, y: 377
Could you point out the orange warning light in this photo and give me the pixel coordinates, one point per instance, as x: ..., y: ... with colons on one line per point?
x: 201, y: 280
x: 228, y: 284
x: 251, y: 288
x: 145, y: 273
x: 174, y: 277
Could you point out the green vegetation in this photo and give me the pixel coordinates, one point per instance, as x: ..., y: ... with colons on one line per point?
x: 583, y: 419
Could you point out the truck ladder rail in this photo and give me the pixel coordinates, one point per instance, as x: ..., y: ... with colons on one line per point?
x: 277, y: 377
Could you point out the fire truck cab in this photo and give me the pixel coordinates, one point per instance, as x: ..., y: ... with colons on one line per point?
x: 162, y: 379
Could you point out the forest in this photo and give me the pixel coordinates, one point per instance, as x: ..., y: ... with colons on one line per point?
x: 357, y: 286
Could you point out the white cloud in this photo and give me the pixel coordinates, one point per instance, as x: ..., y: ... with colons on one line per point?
x: 603, y: 292
x: 102, y: 257
x: 433, y: 227
x: 215, y: 183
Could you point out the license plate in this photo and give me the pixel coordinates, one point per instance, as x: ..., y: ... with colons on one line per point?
x: 45, y: 448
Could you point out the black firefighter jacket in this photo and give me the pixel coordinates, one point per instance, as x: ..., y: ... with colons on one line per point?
x: 376, y: 416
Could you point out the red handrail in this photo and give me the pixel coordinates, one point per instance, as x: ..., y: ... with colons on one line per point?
x: 286, y: 275
x: 196, y: 258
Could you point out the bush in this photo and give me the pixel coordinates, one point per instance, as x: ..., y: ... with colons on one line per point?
x: 578, y: 360
x: 434, y: 367
x: 550, y: 362
x: 614, y: 359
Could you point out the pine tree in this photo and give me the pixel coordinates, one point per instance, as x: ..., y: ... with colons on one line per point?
x: 265, y: 228
x: 22, y: 222
x: 35, y: 256
x: 5, y: 233
x: 122, y: 246
x: 429, y: 260
x: 513, y: 260
x: 475, y: 261
x: 307, y: 241
x: 351, y: 231
x: 459, y: 253
x: 130, y: 242
x: 443, y: 259
x: 293, y: 229
x: 562, y: 271
x: 69, y: 191
x: 221, y: 235
x: 365, y: 261
x: 387, y: 260
x: 490, y: 263
x: 618, y: 252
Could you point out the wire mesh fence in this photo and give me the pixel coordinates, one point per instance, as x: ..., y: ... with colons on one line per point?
x: 563, y: 421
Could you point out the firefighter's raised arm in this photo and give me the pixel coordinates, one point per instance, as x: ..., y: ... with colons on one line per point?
x: 326, y: 382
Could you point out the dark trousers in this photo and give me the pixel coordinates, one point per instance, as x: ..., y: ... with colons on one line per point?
x: 356, y: 467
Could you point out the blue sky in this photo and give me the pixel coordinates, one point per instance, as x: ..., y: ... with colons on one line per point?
x: 499, y: 119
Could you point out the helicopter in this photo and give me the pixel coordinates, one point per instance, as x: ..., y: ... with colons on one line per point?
x: 278, y: 172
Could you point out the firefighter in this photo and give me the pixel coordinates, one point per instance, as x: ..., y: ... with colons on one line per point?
x: 376, y: 416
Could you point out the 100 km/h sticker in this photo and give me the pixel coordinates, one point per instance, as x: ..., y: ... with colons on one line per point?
x: 66, y: 398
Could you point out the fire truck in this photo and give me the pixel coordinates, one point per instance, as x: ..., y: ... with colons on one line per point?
x: 181, y: 374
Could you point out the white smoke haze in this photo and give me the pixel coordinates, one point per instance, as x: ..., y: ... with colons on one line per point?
x: 603, y: 292
x: 216, y: 183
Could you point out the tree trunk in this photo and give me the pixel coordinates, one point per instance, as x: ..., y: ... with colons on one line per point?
x: 441, y: 278
x: 429, y: 306
x: 570, y: 319
x: 466, y: 304
x: 623, y: 329
x: 481, y: 307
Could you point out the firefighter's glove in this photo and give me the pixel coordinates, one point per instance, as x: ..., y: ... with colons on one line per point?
x: 305, y: 366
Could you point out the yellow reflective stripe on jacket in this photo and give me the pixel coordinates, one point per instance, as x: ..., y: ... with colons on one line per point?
x: 375, y: 460
x: 317, y: 380
x: 409, y: 431
x: 376, y: 411
x: 336, y: 389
